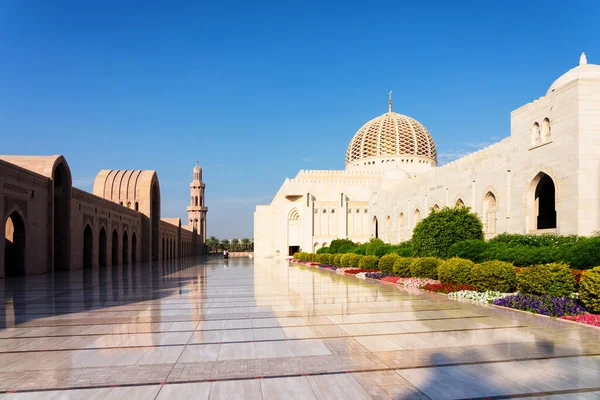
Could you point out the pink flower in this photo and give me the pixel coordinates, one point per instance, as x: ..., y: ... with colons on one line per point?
x: 590, y: 319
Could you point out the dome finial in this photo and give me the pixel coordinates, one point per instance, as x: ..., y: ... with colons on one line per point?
x: 582, y: 59
x: 390, y: 102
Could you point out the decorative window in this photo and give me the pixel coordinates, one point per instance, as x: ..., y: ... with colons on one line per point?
x: 535, y: 134
x: 366, y: 211
x: 316, y: 210
x: 333, y: 211
x: 324, y: 211
x: 546, y: 133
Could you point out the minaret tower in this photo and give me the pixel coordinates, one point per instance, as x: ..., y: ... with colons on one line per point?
x: 197, y: 210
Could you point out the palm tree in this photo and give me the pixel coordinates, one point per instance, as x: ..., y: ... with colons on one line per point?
x: 212, y: 243
x: 245, y: 244
x: 225, y: 244
x: 235, y: 245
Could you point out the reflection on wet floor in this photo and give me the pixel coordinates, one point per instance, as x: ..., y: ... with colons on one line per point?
x: 209, y: 328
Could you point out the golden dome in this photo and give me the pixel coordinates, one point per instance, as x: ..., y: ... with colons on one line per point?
x: 389, y: 136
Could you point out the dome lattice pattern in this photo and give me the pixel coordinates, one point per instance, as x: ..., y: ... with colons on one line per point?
x: 391, y: 134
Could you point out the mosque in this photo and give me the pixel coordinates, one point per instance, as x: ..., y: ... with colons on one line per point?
x: 49, y: 225
x: 543, y: 178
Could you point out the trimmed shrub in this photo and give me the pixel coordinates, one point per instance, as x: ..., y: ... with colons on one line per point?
x: 375, y: 247
x: 323, y: 250
x: 494, y: 275
x: 434, y: 235
x: 425, y: 267
x: 369, y: 262
x: 584, y: 254
x: 337, y: 260
x: 336, y: 244
x: 469, y: 249
x: 386, y: 262
x: 553, y: 279
x: 345, y: 260
x: 589, y: 289
x: 546, y: 240
x: 360, y: 249
x: 455, y: 270
x: 313, y: 257
x: 296, y: 255
x: 355, y: 260
x: 324, y: 259
x: 402, y: 267
x: 347, y: 248
x: 303, y: 256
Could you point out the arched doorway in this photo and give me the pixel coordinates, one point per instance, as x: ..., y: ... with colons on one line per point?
x: 125, y: 250
x: 294, y: 231
x: 115, y: 248
x: 375, y: 227
x: 88, y: 248
x: 133, y: 248
x: 14, y: 245
x: 490, y: 207
x: 61, y: 217
x: 155, y: 217
x: 388, y: 229
x: 542, y: 202
x: 102, y: 244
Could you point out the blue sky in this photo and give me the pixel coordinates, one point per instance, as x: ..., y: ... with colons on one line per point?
x: 257, y: 91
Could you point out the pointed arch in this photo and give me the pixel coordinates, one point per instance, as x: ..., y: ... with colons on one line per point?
x: 401, y: 228
x: 375, y: 227
x: 102, y: 248
x: 489, y: 210
x: 541, y: 197
x: 88, y: 247
x: 14, y: 245
x: 115, y: 248
x: 416, y: 217
x: 388, y: 229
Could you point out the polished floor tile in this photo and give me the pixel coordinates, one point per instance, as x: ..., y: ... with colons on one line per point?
x: 267, y: 329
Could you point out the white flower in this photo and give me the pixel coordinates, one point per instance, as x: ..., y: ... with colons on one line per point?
x: 483, y: 297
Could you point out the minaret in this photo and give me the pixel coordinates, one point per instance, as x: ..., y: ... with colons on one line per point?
x: 197, y: 210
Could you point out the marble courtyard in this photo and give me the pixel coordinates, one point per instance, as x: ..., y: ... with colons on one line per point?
x: 204, y: 328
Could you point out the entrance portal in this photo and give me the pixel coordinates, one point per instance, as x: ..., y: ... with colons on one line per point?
x: 545, y: 199
x: 293, y: 249
x: 125, y: 248
x: 14, y: 245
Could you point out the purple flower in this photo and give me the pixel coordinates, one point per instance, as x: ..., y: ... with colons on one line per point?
x: 544, y: 304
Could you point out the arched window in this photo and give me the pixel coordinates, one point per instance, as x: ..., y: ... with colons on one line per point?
x: 388, y: 229
x: 196, y: 201
x: 401, y: 229
x: 375, y: 227
x: 535, y: 134
x: 490, y: 207
x: 316, y: 247
x: 201, y: 201
x: 137, y: 206
x: 417, y: 217
x: 546, y: 134
x: 460, y: 203
x: 436, y: 208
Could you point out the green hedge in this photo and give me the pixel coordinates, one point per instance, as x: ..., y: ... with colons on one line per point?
x: 324, y: 259
x: 589, y: 289
x: 525, y: 250
x: 355, y: 260
x: 425, y: 267
x: 369, y: 262
x: 337, y: 260
x: 386, y: 263
x: 434, y: 235
x: 494, y: 275
x: 323, y: 250
x: 553, y: 279
x: 296, y: 255
x: 455, y: 270
x: 402, y: 267
x: 345, y: 260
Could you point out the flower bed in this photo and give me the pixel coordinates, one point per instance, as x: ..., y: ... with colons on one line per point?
x: 483, y: 297
x: 446, y: 287
x: 391, y: 279
x: 416, y: 282
x: 378, y: 275
x: 328, y: 266
x: 354, y: 271
x: 590, y: 319
x: 544, y: 304
x: 341, y: 271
